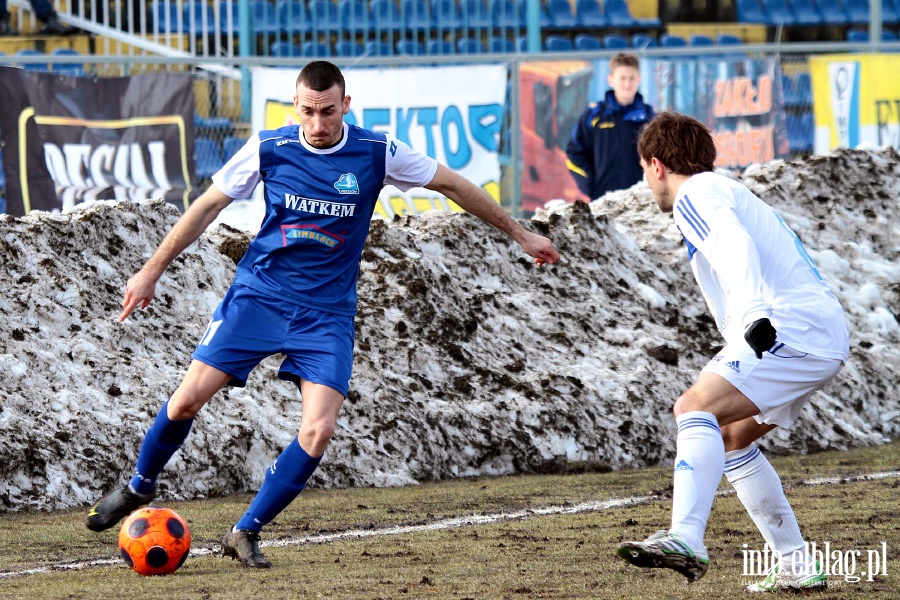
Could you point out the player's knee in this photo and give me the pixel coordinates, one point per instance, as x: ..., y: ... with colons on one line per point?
x: 316, y: 435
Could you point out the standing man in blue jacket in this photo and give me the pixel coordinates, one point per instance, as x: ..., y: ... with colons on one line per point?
x: 602, y: 152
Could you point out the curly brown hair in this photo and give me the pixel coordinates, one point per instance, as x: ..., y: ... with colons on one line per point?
x: 682, y: 143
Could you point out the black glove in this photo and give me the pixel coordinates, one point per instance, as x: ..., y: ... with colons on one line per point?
x: 760, y: 335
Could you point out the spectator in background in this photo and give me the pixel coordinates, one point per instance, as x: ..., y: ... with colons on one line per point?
x: 602, y: 152
x: 45, y: 13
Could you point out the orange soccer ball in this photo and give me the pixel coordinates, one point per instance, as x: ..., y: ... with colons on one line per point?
x: 154, y: 541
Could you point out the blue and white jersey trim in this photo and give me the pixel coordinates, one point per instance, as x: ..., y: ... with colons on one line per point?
x: 687, y: 210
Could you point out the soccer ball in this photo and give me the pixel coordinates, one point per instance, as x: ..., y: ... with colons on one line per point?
x: 154, y: 541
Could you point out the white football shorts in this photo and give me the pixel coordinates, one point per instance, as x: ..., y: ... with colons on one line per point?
x: 779, y: 384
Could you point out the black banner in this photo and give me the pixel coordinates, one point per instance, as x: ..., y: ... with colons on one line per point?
x: 68, y: 140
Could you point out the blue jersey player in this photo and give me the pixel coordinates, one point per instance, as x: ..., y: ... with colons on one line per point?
x: 294, y: 292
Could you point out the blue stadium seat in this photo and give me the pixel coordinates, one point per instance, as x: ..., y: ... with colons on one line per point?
x: 560, y: 14
x: 316, y: 49
x: 416, y: 15
x: 324, y: 16
x: 750, y: 11
x: 857, y: 35
x: 346, y: 48
x: 293, y: 19
x: 355, y: 16
x: 857, y: 11
x: 410, y: 48
x: 618, y: 14
x: 439, y: 47
x: 728, y: 39
x: 558, y: 43
x: 668, y: 40
x: 215, y: 127
x: 589, y: 14
x: 42, y: 67
x: 446, y: 15
x: 264, y: 18
x: 228, y: 16
x: 285, y: 49
x: 505, y: 13
x: 543, y: 17
x: 73, y: 69
x: 475, y: 14
x: 788, y: 91
x: 199, y: 18
x: 890, y: 12
x: 806, y: 12
x: 522, y: 44
x: 586, y: 41
x: 373, y: 48
x: 384, y: 15
x: 779, y: 12
x: 207, y: 157
x: 701, y: 40
x: 230, y: 146
x: 614, y: 41
x: 469, y: 46
x: 803, y: 85
x: 642, y: 41
x: 167, y: 18
x: 833, y: 12
x: 501, y: 45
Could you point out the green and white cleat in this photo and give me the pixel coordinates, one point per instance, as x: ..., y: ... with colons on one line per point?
x: 775, y: 581
x: 666, y: 550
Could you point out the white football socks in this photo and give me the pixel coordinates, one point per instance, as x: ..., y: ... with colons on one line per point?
x: 759, y: 489
x: 699, y: 461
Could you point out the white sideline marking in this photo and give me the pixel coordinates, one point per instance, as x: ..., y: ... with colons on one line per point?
x: 450, y: 523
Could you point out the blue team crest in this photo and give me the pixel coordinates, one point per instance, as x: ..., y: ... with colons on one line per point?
x: 347, y: 184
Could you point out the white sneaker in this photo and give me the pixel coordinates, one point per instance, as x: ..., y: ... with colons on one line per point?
x: 777, y: 581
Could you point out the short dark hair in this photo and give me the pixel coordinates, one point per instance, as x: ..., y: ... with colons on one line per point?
x: 682, y: 143
x: 321, y: 75
x: 623, y: 60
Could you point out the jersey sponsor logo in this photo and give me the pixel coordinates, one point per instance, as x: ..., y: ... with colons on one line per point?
x: 319, y: 207
x: 310, y: 233
x: 287, y: 141
x: 347, y: 184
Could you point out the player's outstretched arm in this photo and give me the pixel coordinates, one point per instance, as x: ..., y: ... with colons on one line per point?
x: 476, y: 201
x: 141, y: 288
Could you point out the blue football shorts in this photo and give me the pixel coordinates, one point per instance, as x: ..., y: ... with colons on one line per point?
x: 249, y: 326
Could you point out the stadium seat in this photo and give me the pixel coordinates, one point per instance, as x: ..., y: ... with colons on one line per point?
x: 668, y: 40
x: 208, y: 157
x: 779, y: 12
x: 642, y: 41
x: 505, y: 13
x: 750, y: 11
x: 618, y: 14
x: 228, y: 16
x: 833, y: 12
x: 264, y: 17
x: 33, y: 66
x: 588, y: 14
x: 446, y: 15
x: 410, y: 48
x: 558, y: 43
x: 285, y: 49
x: 728, y: 39
x: 613, y: 41
x: 416, y: 15
x: 347, y: 48
x: 806, y: 12
x: 199, y: 18
x: 701, y: 40
x: 384, y: 15
x: 543, y: 17
x: 890, y: 12
x: 800, y: 132
x: 475, y: 14
x: 316, y: 49
x: 324, y: 16
x: 211, y: 126
x: 167, y: 18
x: 857, y: 35
x: 501, y: 45
x: 74, y: 69
x: 857, y: 11
x: 354, y: 17
x: 230, y: 146
x: 439, y: 47
x: 803, y: 85
x: 586, y: 41
x: 373, y: 48
x: 469, y: 46
x: 293, y: 19
x: 560, y: 14
x: 788, y: 91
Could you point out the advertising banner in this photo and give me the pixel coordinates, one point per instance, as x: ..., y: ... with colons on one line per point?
x: 739, y: 99
x: 68, y: 140
x: 854, y: 104
x: 438, y: 111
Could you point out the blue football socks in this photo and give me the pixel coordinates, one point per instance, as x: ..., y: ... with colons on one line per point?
x: 285, y: 479
x: 162, y: 440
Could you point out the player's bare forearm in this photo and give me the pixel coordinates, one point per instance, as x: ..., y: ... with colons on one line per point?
x: 141, y: 288
x: 474, y: 200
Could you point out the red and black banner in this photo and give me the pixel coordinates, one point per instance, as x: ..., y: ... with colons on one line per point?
x: 68, y: 140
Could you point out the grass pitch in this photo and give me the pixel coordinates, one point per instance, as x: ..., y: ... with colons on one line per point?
x: 537, y: 537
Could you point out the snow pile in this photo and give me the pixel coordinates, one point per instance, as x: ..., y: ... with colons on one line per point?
x: 470, y: 360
